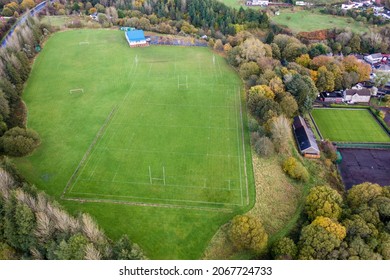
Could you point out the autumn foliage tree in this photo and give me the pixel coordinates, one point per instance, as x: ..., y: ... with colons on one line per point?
x: 284, y: 249
x: 248, y: 233
x: 323, y: 201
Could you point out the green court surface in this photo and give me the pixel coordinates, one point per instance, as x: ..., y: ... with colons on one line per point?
x: 349, y: 125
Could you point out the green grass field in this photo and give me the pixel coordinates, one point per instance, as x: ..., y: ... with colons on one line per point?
x: 349, y: 125
x: 153, y: 146
x: 303, y: 20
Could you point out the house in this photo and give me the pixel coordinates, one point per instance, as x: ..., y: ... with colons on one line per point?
x: 373, y: 58
x: 305, y: 139
x: 332, y: 97
x: 302, y: 3
x: 347, y: 7
x: 257, y: 3
x: 356, y: 95
x: 136, y: 38
x: 383, y: 68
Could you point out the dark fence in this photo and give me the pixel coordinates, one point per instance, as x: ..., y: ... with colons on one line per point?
x: 175, y: 41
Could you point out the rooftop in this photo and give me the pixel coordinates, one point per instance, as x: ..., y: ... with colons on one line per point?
x: 136, y: 35
x: 361, y: 92
x: 304, y: 136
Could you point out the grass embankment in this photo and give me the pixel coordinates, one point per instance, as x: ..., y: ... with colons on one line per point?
x: 311, y: 20
x: 279, y: 202
x: 178, y: 111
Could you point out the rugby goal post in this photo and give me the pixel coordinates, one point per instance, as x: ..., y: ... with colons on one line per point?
x: 76, y: 91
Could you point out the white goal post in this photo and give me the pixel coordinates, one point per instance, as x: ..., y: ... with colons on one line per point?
x: 84, y: 43
x: 76, y: 90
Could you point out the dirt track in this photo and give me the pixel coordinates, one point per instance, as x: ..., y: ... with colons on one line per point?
x: 365, y: 165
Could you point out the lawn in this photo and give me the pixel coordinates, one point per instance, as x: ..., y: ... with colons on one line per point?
x: 349, y: 125
x: 303, y: 20
x: 152, y: 145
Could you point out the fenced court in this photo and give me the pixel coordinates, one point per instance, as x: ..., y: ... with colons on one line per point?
x: 174, y: 137
x: 349, y: 125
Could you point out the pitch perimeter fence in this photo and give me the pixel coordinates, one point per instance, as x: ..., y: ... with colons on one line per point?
x: 345, y: 145
x: 169, y: 41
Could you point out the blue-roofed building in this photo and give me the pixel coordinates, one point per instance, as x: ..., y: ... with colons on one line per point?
x: 305, y: 139
x: 136, y: 38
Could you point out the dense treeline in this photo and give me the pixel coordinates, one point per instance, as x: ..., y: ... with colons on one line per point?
x: 15, y: 68
x: 32, y: 226
x: 206, y: 15
x: 357, y: 227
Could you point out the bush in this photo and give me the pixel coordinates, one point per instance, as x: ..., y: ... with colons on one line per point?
x: 264, y: 147
x: 20, y: 142
x: 295, y: 169
x: 329, y: 150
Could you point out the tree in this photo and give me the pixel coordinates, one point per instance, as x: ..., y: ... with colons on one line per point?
x: 7, y: 12
x: 263, y: 108
x: 363, y: 193
x: 284, y: 249
x: 124, y: 249
x: 276, y: 54
x: 329, y: 150
x: 27, y: 4
x: 262, y: 90
x: 248, y: 68
x: 19, y: 141
x: 325, y: 80
x: 218, y: 46
x: 331, y: 226
x: 248, y: 233
x: 293, y: 50
x: 4, y: 106
x: 316, y: 243
x: 281, y: 134
x: 252, y: 49
x: 19, y: 223
x: 323, y: 201
x: 73, y: 249
x: 289, y: 105
x: 318, y: 49
x: 303, y: 60
x: 354, y: 43
x: 352, y: 64
x: 276, y: 85
x: 303, y: 90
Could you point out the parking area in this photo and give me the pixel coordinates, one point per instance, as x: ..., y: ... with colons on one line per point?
x: 365, y: 165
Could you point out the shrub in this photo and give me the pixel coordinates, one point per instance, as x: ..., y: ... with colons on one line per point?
x: 329, y: 150
x: 264, y: 147
x: 295, y: 169
x: 20, y: 142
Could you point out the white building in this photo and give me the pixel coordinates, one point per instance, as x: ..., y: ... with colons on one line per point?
x: 373, y: 58
x: 257, y: 3
x: 357, y: 95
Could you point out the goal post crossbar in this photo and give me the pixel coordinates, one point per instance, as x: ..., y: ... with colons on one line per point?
x: 76, y: 90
